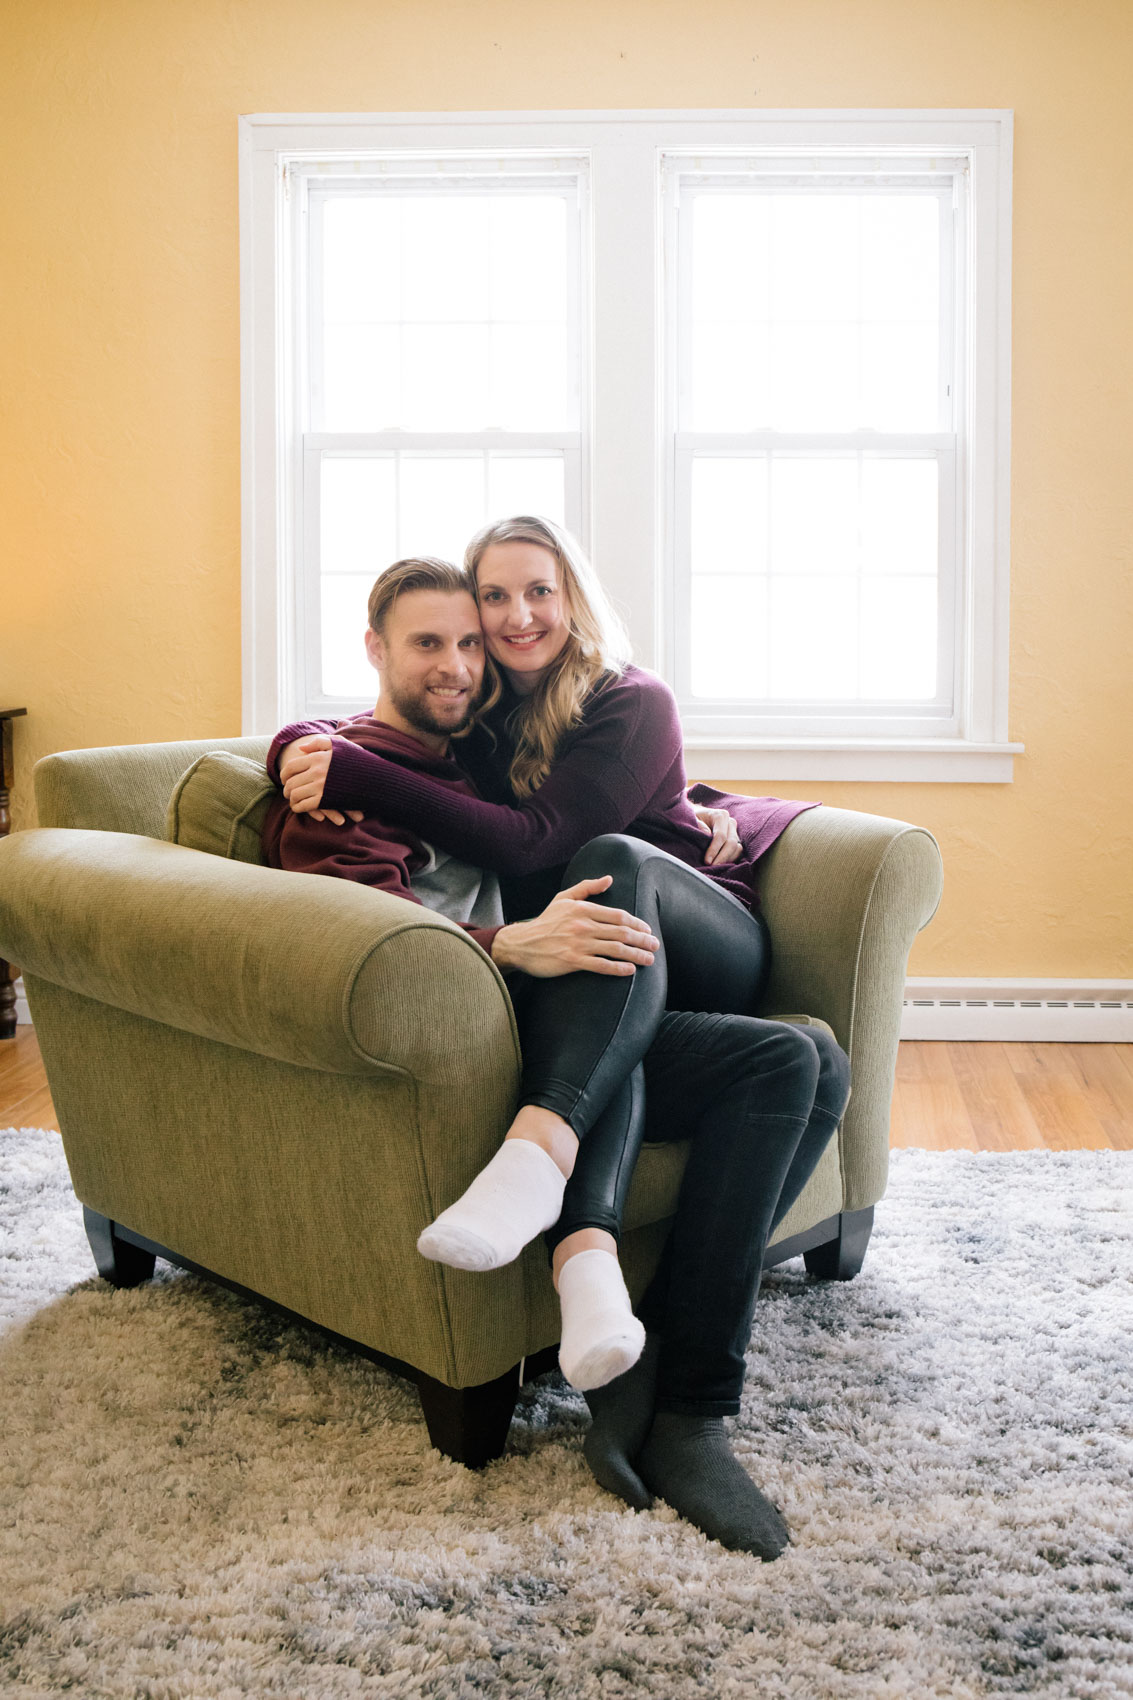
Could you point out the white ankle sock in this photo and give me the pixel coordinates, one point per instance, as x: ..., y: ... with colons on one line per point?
x: 514, y: 1197
x: 601, y: 1337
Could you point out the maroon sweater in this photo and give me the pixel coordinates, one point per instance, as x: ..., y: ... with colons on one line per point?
x: 374, y: 851
x: 620, y: 770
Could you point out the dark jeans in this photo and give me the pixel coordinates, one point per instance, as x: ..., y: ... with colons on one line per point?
x: 757, y: 1099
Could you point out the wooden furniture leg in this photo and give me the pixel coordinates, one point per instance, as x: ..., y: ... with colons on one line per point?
x: 469, y: 1424
x: 117, y: 1261
x: 841, y: 1258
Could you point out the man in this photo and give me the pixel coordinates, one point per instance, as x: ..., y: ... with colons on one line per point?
x: 712, y: 1079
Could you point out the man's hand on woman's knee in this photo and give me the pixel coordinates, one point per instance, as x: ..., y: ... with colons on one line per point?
x: 573, y: 933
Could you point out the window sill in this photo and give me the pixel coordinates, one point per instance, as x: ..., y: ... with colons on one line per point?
x: 939, y: 761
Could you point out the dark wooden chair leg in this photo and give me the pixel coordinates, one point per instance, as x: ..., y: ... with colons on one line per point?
x: 469, y: 1424
x: 7, y: 1002
x: 840, y: 1259
x: 121, y: 1264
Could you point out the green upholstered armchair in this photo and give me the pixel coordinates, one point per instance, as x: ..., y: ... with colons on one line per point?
x: 279, y: 1079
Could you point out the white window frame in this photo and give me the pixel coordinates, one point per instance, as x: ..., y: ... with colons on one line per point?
x: 626, y: 463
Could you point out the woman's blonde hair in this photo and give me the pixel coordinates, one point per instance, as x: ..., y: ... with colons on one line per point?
x: 597, y: 648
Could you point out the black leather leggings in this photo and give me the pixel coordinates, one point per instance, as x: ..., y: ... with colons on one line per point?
x: 584, y: 1035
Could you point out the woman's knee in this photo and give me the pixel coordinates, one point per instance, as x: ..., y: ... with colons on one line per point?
x: 614, y: 853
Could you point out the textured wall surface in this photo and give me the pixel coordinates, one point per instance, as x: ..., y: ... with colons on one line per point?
x: 119, y: 369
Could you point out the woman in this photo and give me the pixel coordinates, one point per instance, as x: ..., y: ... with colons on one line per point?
x: 585, y: 746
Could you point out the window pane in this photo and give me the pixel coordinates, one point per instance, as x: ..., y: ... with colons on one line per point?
x: 730, y: 380
x: 730, y: 258
x: 814, y: 515
x: 900, y: 258
x: 526, y: 484
x: 361, y: 260
x: 814, y: 258
x: 447, y: 312
x: 898, y: 638
x: 444, y: 258
x: 345, y: 669
x: 814, y: 378
x: 442, y: 504
x: 362, y: 377
x: 729, y: 635
x: 813, y: 653
x: 527, y: 258
x: 899, y: 378
x: 357, y: 514
x: 812, y: 312
x: 899, y: 522
x: 446, y: 377
x: 528, y: 380
x: 729, y: 515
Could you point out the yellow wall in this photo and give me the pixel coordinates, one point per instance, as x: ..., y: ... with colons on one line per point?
x: 119, y: 361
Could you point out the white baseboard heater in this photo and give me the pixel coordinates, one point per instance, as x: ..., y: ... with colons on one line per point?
x: 1032, y: 1011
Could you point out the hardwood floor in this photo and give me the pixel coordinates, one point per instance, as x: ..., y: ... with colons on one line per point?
x: 1001, y: 1097
x: 973, y: 1097
x: 24, y: 1098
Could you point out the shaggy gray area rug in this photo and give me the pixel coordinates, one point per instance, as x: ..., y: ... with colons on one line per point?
x: 198, y: 1501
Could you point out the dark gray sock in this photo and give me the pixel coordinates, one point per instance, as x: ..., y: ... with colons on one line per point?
x: 688, y: 1462
x: 622, y: 1414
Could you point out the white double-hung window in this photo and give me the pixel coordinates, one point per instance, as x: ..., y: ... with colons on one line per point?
x: 759, y: 364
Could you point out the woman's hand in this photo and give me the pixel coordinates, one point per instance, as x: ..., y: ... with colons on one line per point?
x: 303, y: 769
x: 726, y: 844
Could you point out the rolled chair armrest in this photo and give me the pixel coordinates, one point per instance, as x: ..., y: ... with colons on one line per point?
x: 124, y: 787
x: 844, y: 895
x: 318, y: 972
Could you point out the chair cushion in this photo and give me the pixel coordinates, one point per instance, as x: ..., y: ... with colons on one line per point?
x: 219, y: 805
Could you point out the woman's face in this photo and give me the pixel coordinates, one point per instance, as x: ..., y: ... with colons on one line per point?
x: 523, y: 609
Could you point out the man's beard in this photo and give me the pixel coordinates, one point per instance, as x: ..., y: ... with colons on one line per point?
x: 416, y: 708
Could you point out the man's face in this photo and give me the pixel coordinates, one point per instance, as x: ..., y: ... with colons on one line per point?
x: 431, y: 661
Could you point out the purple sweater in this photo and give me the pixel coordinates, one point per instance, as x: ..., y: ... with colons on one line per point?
x: 620, y: 770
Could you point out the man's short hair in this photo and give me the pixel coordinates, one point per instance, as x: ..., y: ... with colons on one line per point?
x: 417, y: 572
